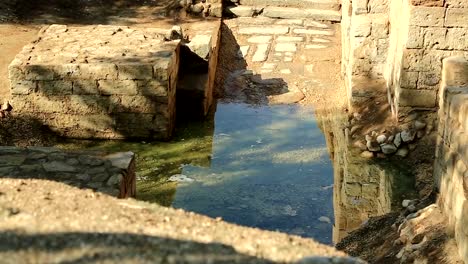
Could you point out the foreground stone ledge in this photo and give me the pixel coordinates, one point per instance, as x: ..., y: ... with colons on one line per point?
x: 65, y: 224
x: 113, y: 174
x: 99, y: 71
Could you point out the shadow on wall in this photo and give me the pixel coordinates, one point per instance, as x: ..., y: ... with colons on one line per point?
x: 121, y: 247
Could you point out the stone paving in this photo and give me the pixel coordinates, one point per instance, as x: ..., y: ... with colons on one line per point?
x: 113, y: 174
x: 290, y: 50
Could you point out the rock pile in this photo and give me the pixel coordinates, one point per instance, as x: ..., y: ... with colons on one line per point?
x: 196, y: 7
x: 398, y: 141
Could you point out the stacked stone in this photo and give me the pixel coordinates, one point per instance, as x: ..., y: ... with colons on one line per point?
x: 451, y: 164
x: 427, y: 32
x: 98, y: 81
x: 113, y: 174
x: 365, y: 43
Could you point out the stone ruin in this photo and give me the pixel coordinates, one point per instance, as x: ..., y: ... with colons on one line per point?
x: 109, y: 82
x: 112, y: 174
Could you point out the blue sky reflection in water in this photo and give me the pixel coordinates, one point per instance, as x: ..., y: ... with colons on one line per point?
x: 270, y: 169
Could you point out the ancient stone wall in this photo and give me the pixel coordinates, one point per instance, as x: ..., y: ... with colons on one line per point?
x: 422, y: 34
x: 403, y: 43
x: 365, y: 38
x: 98, y: 81
x: 112, y: 174
x: 450, y: 169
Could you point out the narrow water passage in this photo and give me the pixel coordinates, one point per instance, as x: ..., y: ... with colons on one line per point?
x: 269, y: 169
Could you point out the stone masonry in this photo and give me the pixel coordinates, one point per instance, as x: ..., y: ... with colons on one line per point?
x: 365, y: 41
x: 451, y: 164
x: 113, y: 174
x: 423, y: 34
x: 401, y: 45
x: 98, y: 81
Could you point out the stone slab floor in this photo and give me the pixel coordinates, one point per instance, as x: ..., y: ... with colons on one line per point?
x: 301, y: 56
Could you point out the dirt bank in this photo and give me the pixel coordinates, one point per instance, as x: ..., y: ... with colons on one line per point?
x: 50, y: 222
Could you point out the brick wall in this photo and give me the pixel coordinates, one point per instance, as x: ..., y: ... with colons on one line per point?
x: 450, y: 169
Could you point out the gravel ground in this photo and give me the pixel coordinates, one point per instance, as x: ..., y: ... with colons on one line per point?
x: 50, y: 222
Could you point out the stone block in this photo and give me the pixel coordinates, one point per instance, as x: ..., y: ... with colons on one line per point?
x: 241, y: 11
x: 39, y: 104
x: 415, y: 37
x: 105, y: 71
x: 380, y: 26
x: 86, y: 104
x: 428, y: 80
x: 313, y: 32
x: 455, y: 72
x: 432, y: 60
x: 260, y: 39
x: 56, y: 87
x: 261, y: 53
x: 138, y: 104
x: 456, y: 3
x: 135, y: 71
x: 456, y: 17
x: 273, y: 30
x: 201, y: 45
x: 426, y: 16
x: 85, y: 86
x: 289, y: 39
x: 300, y: 22
x: 428, y: 3
x: 378, y: 6
x: 409, y: 79
x: 456, y: 39
x: 285, y: 47
x: 324, y: 4
x: 412, y: 60
x: 163, y: 70
x: 23, y: 87
x: 120, y: 87
x: 417, y: 98
x: 434, y: 38
x: 361, y: 26
x: 38, y: 73
x: 359, y: 7
x: 154, y: 88
x: 298, y: 13
x: 363, y: 48
x: 66, y: 71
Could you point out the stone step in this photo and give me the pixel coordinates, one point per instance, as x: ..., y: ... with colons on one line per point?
x: 285, y: 12
x: 309, y: 4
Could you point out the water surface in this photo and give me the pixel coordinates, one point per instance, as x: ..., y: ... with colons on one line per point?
x: 267, y: 167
